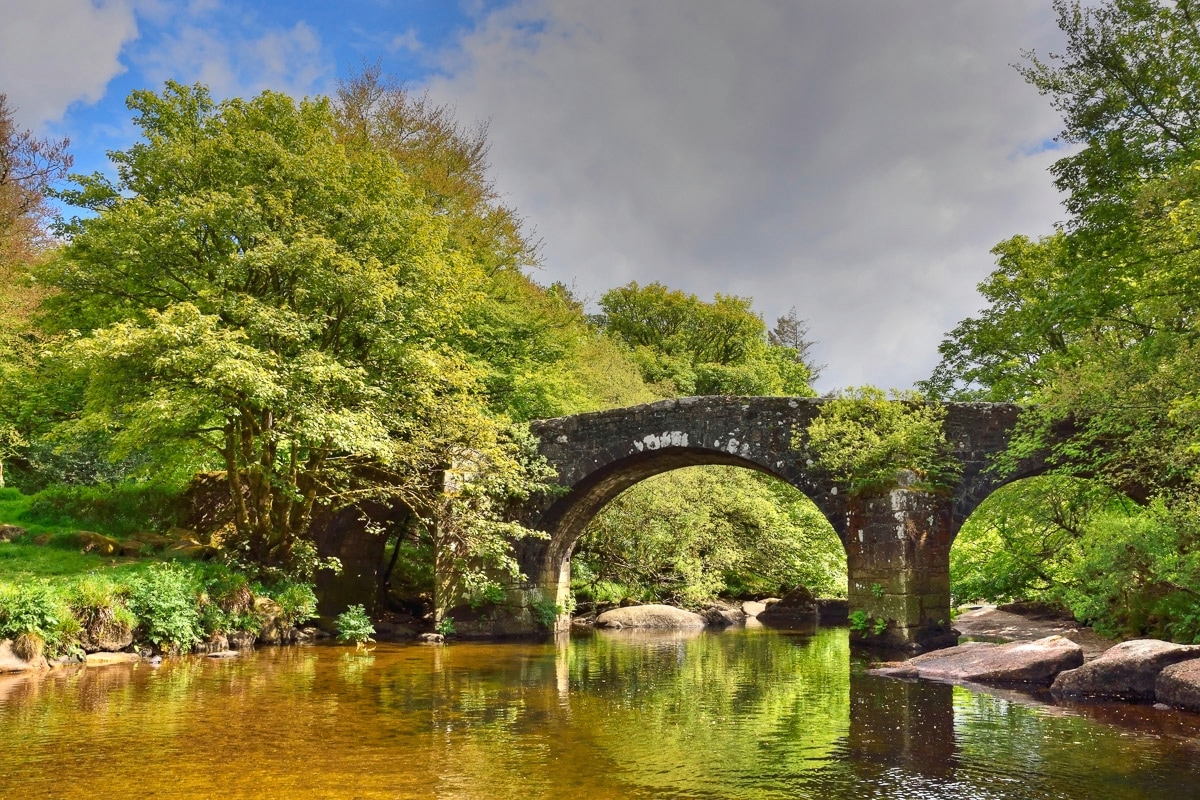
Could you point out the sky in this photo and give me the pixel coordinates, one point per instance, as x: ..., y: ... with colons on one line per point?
x: 856, y: 160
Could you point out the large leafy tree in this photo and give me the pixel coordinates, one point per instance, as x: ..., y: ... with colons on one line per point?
x: 690, y: 346
x: 1097, y: 324
x: 260, y: 285
x: 28, y: 167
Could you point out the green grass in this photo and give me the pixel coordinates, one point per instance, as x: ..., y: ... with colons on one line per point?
x: 22, y: 560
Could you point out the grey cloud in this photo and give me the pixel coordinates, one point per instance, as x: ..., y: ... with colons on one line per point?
x: 855, y: 159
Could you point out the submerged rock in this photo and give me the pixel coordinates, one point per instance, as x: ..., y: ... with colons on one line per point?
x: 431, y: 638
x: 1127, y: 670
x: 649, y: 616
x: 978, y: 662
x: 1179, y: 685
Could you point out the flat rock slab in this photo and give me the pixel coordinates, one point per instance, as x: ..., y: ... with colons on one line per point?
x: 1127, y: 671
x: 1179, y: 685
x: 651, y: 616
x: 105, y: 659
x: 978, y: 662
x: 225, y: 654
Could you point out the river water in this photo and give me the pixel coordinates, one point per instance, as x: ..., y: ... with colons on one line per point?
x: 740, y: 714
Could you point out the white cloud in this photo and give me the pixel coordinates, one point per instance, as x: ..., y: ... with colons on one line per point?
x: 55, y: 52
x: 854, y: 159
x: 240, y: 63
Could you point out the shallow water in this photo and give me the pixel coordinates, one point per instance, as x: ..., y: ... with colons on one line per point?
x: 741, y: 714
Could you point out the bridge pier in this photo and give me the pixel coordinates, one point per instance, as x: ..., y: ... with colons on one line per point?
x: 898, y: 564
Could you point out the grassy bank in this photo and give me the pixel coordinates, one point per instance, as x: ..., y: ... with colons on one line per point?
x: 95, y: 569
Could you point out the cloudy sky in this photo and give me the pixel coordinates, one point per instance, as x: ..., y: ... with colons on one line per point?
x: 855, y: 159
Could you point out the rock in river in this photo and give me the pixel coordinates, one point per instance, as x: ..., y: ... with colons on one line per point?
x: 1179, y: 685
x: 1127, y: 670
x: 977, y: 662
x: 797, y: 607
x: 650, y: 616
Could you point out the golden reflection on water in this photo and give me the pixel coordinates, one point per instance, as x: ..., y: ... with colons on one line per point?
x: 753, y: 714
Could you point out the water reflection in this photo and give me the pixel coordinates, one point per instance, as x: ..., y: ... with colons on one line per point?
x: 615, y: 714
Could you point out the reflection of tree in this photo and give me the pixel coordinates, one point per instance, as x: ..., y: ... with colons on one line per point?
x: 715, y: 713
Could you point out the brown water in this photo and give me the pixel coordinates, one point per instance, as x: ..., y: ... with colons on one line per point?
x: 742, y: 714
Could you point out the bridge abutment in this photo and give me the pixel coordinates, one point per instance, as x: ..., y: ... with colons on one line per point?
x: 898, y: 565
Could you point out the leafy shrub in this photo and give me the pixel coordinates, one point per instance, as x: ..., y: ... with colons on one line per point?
x: 166, y: 601
x: 37, y: 619
x: 353, y: 625
x: 545, y: 613
x: 863, y: 438
x: 297, y: 601
x: 119, y: 508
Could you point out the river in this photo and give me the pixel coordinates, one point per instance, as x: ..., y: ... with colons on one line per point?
x: 741, y: 714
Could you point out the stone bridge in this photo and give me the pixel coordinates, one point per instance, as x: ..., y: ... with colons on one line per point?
x: 897, y: 546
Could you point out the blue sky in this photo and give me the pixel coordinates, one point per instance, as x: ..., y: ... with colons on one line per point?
x: 855, y: 159
x: 242, y: 47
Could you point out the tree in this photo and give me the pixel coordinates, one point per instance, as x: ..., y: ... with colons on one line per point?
x: 257, y: 284
x: 1126, y: 86
x: 1096, y: 325
x: 791, y: 333
x: 689, y: 346
x: 28, y: 167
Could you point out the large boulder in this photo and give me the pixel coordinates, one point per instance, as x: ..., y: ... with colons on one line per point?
x: 722, y: 616
x: 10, y: 532
x: 1127, y: 670
x: 103, y: 632
x: 752, y: 608
x: 650, y: 616
x: 797, y: 607
x: 1179, y: 685
x: 10, y: 661
x: 979, y: 662
x: 98, y: 543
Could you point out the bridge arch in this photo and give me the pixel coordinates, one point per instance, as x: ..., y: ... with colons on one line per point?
x: 897, y: 546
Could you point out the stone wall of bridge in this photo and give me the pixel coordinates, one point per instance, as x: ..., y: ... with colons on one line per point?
x: 897, y: 545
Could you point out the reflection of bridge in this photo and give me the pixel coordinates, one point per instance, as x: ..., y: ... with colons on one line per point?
x: 897, y: 545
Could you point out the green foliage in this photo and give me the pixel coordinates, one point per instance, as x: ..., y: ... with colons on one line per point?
x: 1096, y: 325
x: 859, y: 620
x: 545, y: 612
x: 879, y: 626
x: 297, y: 601
x: 255, y: 285
x: 445, y: 626
x: 354, y: 626
x: 688, y: 346
x: 36, y: 616
x: 690, y: 535
x: 165, y: 599
x: 116, y: 509
x: 864, y: 438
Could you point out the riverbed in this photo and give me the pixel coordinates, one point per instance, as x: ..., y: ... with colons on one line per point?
x: 737, y: 714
